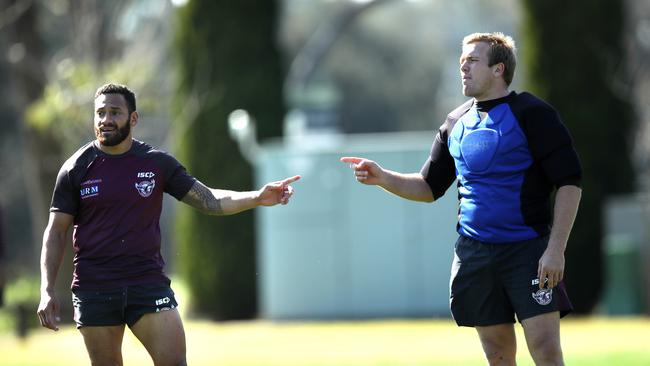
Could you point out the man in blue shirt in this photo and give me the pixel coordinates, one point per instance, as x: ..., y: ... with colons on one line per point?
x: 508, y: 152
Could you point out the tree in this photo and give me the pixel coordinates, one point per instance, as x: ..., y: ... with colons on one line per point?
x: 227, y: 59
x: 58, y: 54
x: 27, y: 78
x: 572, y: 52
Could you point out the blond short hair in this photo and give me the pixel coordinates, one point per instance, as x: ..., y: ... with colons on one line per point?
x: 501, y: 50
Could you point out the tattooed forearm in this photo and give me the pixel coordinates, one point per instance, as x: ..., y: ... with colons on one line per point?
x: 202, y: 198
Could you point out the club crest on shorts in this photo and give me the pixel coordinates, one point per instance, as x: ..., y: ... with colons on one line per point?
x: 543, y: 296
x: 145, y: 188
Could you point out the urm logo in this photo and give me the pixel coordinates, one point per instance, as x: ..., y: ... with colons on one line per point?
x: 89, y: 191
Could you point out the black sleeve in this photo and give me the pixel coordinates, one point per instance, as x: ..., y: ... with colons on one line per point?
x: 65, y: 197
x: 177, y: 180
x: 439, y: 170
x: 551, y: 145
x: 66, y: 190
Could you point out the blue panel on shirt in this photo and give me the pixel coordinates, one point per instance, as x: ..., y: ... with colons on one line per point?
x: 491, y: 158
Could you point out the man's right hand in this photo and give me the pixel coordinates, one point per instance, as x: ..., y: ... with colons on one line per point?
x: 48, y: 311
x: 411, y: 186
x: 365, y: 171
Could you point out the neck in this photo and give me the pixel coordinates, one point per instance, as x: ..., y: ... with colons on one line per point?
x: 493, y: 94
x: 118, y: 149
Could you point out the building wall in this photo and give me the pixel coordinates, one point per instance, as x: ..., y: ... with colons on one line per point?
x: 341, y: 249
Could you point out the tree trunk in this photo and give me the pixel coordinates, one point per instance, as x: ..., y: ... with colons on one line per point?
x: 571, y: 66
x: 228, y: 60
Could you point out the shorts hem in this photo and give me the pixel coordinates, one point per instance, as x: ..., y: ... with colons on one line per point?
x: 487, y: 324
x: 563, y: 313
x: 98, y: 325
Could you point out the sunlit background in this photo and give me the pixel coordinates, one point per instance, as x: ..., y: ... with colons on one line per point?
x: 244, y: 92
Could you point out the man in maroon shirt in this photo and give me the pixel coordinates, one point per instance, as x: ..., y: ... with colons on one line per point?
x: 110, y: 191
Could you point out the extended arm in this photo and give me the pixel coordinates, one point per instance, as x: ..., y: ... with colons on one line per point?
x: 52, y: 252
x: 411, y: 186
x: 551, y: 265
x: 224, y: 202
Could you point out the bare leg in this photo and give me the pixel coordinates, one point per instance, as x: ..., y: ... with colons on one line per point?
x: 104, y: 344
x: 499, y: 344
x: 543, y: 339
x: 163, y: 336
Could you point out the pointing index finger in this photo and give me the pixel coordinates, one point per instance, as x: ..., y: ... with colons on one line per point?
x: 290, y: 180
x: 351, y: 159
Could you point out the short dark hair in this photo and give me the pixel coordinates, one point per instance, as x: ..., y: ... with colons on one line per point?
x: 111, y: 88
x: 502, y: 49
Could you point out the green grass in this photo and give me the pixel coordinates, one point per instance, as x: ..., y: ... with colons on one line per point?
x: 588, y: 341
x: 591, y: 341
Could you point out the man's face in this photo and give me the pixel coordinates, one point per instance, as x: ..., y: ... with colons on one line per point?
x: 112, y: 120
x: 477, y: 77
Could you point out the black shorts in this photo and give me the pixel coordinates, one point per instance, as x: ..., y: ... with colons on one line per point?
x: 120, y: 306
x: 491, y: 283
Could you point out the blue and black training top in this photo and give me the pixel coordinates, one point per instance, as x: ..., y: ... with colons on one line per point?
x: 508, y: 155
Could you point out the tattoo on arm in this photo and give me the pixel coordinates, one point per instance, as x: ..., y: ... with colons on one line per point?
x: 202, y: 198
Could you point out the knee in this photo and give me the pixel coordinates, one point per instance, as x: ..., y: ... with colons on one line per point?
x: 169, y: 360
x: 546, y: 351
x: 499, y: 353
x: 106, y: 360
x: 180, y: 362
x: 105, y: 357
x: 500, y: 359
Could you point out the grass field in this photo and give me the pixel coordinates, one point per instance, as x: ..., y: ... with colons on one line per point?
x: 588, y: 341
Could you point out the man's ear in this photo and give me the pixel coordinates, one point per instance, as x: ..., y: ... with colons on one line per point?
x: 133, y: 120
x: 498, y: 69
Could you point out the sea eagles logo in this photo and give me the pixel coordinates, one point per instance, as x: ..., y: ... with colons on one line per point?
x: 145, y: 188
x: 543, y: 296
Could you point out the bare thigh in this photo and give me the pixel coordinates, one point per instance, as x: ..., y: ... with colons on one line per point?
x: 543, y: 338
x: 104, y: 344
x: 163, y: 336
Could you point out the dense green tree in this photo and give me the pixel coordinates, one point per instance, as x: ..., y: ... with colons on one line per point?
x: 27, y: 80
x: 574, y: 51
x: 55, y: 54
x: 227, y: 59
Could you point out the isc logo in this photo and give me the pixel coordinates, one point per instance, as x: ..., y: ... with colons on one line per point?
x: 145, y: 175
x: 164, y: 300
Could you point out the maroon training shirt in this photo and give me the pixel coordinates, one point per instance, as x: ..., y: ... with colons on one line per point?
x: 116, y: 201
